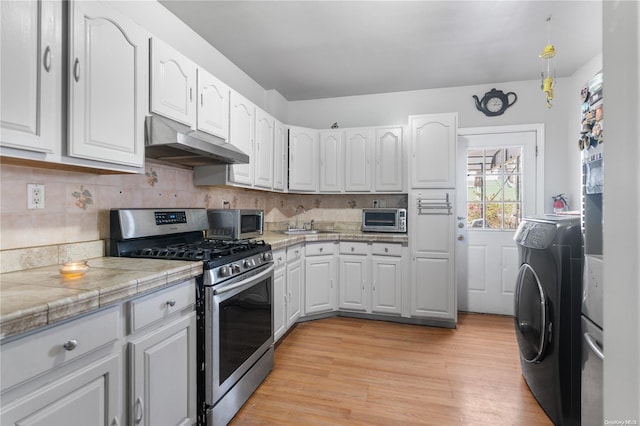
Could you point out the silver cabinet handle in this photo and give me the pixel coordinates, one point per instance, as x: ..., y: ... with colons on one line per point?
x: 353, y: 248
x: 594, y: 346
x: 70, y: 345
x: 46, y: 60
x: 201, y: 99
x: 321, y: 248
x: 76, y: 70
x: 190, y: 94
x: 139, y: 410
x: 115, y: 422
x: 386, y: 249
x: 171, y: 303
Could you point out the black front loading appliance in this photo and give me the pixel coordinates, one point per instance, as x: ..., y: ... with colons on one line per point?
x: 548, y: 301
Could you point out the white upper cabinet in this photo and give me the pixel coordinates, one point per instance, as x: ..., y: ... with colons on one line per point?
x: 213, y: 105
x: 331, y: 156
x: 280, y: 163
x: 303, y: 159
x: 31, y: 74
x: 358, y: 147
x: 173, y: 83
x: 108, y: 60
x: 388, y: 164
x: 263, y: 155
x: 242, y: 127
x: 433, y: 150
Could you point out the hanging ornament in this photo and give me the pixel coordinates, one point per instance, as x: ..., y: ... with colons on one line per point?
x: 548, y: 73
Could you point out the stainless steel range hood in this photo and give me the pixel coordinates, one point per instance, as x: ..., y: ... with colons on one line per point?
x: 174, y: 142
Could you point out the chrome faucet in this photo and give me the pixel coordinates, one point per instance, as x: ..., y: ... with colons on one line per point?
x: 300, y: 207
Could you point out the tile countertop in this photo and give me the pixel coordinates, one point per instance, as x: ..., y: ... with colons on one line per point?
x: 36, y: 297
x: 279, y: 240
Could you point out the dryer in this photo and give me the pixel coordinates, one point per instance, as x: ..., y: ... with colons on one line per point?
x: 547, y: 312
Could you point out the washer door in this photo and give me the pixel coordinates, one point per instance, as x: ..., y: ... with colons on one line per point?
x: 530, y: 315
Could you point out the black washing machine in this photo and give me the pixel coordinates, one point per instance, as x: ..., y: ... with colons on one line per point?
x: 548, y: 300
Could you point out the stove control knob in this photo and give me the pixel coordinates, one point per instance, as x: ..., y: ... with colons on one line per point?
x: 225, y: 271
x: 235, y: 268
x: 248, y: 263
x: 267, y: 256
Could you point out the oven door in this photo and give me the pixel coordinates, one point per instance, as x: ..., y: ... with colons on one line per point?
x: 238, y: 328
x: 251, y: 224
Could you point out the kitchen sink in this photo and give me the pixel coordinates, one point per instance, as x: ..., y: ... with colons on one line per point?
x: 305, y: 232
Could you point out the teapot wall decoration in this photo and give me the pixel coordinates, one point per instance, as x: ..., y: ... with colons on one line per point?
x: 495, y: 102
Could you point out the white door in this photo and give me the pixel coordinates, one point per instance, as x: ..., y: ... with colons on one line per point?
x: 331, y: 154
x: 242, y: 134
x: 388, y: 154
x: 358, y: 147
x: 497, y: 186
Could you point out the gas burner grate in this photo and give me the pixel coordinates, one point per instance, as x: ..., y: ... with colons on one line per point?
x: 206, y: 250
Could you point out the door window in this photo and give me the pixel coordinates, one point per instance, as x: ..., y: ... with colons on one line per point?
x: 494, y: 187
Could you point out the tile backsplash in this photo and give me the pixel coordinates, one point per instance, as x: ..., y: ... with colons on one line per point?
x: 77, y: 204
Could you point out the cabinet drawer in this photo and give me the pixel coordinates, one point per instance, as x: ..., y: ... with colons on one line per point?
x: 318, y: 249
x: 386, y: 249
x: 294, y: 252
x: 161, y: 304
x: 279, y: 258
x: 349, y: 247
x: 36, y: 353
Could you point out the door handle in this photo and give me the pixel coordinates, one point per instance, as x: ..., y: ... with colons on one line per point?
x: 594, y: 346
x: 460, y: 237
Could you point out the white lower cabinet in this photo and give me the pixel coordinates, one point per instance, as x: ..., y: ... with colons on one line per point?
x: 371, y: 277
x: 163, y: 374
x: 321, y: 282
x: 69, y: 374
x: 354, y: 276
x: 86, y: 396
x: 94, y: 370
x: 162, y: 358
x: 432, y: 242
x: 295, y: 278
x: 386, y: 278
x: 279, y: 293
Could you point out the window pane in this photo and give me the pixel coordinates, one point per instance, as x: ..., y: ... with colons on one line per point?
x: 474, y: 188
x: 493, y: 188
x: 475, y: 162
x: 474, y: 215
x: 512, y: 215
x: 493, y: 215
x: 494, y: 160
x: 512, y: 188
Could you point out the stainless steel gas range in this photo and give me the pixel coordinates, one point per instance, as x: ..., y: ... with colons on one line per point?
x: 234, y: 300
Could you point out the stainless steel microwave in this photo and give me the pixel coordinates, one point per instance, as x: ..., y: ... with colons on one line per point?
x: 235, y: 224
x: 384, y: 220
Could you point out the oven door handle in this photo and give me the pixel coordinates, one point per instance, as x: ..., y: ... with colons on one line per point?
x: 244, y: 283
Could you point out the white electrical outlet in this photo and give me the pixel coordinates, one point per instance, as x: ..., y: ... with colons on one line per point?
x: 35, y: 196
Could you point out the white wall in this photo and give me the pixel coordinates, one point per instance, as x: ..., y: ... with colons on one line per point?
x: 621, y: 94
x: 394, y: 108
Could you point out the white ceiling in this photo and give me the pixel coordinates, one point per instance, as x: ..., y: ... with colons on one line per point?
x: 321, y: 49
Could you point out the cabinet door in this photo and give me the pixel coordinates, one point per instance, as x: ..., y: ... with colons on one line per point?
x: 280, y: 157
x: 279, y: 303
x: 386, y: 285
x: 242, y: 134
x: 358, y: 147
x: 173, y: 83
x: 331, y: 155
x: 213, y: 105
x: 320, y: 288
x: 354, y: 285
x: 88, y: 395
x: 31, y: 70
x: 303, y: 159
x: 433, y: 290
x: 163, y: 374
x: 431, y: 228
x: 263, y: 165
x: 108, y: 85
x: 388, y: 164
x: 433, y: 150
x: 294, y: 287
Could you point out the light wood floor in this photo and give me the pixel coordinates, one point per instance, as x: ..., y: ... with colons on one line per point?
x: 344, y: 371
